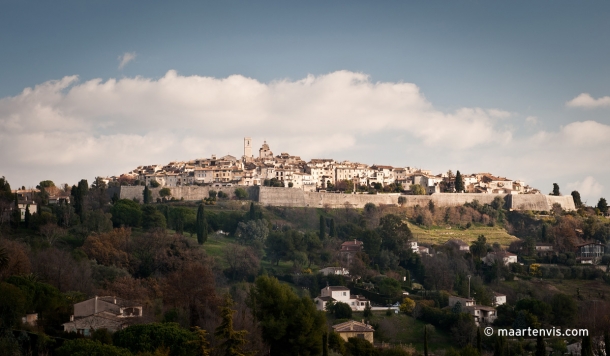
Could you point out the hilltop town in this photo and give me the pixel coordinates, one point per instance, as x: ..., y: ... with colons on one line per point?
x: 285, y: 170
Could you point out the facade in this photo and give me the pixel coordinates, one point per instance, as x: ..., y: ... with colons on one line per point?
x: 482, y: 314
x: 338, y: 271
x: 498, y: 299
x: 458, y: 244
x: 504, y: 256
x: 340, y: 294
x: 110, y: 313
x: 589, y: 253
x: 349, y: 249
x: 354, y: 329
x: 465, y: 302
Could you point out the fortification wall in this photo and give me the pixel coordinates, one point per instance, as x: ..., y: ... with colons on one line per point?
x: 290, y: 197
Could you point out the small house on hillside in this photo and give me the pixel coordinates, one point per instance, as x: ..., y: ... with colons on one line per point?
x: 340, y: 294
x: 110, y: 313
x: 482, y: 314
x: 589, y: 252
x: 354, y: 329
x: 458, y: 244
x: 349, y: 249
x: 498, y: 299
x: 504, y: 257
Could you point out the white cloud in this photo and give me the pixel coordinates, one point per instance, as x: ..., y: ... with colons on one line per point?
x: 590, y: 189
x: 531, y: 120
x: 586, y: 101
x: 126, y: 58
x: 65, y: 130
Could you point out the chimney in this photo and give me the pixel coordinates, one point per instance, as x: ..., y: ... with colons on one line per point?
x: 115, y: 300
x: 95, y: 307
x: 71, y: 317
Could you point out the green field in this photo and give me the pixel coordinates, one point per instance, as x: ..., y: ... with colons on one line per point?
x: 440, y: 235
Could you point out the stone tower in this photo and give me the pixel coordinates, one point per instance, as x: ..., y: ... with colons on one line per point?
x: 247, y: 148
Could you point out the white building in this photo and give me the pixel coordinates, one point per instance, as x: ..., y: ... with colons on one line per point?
x: 340, y: 294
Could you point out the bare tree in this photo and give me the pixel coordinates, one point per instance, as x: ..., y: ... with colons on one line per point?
x: 52, y: 233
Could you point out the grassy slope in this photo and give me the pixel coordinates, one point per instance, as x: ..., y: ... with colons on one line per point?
x: 405, y: 330
x: 440, y: 235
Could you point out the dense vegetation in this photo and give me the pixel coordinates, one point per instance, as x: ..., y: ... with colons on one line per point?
x: 229, y: 277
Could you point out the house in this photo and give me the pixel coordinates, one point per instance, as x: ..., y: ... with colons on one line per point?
x: 29, y: 205
x: 465, y: 302
x: 589, y: 252
x: 423, y: 250
x: 354, y: 329
x: 498, y: 299
x: 338, y: 271
x: 504, y: 256
x: 340, y: 294
x: 413, y: 246
x: 458, y: 244
x: 349, y: 249
x: 30, y: 319
x: 544, y: 249
x: 110, y: 313
x: 482, y: 314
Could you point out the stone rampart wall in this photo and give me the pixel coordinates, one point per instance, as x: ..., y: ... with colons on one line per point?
x: 291, y: 197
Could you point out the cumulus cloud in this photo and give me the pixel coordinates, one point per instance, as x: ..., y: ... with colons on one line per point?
x: 65, y: 130
x: 586, y: 101
x: 589, y: 188
x: 125, y: 58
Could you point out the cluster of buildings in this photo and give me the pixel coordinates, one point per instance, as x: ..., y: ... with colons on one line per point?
x: 317, y: 174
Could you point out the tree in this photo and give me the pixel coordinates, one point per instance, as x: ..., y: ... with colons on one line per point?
x: 290, y: 325
x: 202, y: 341
x: 425, y: 341
x: 395, y: 233
x: 233, y: 341
x: 154, y: 183
x: 152, y: 218
x: 479, y: 345
x: 241, y: 193
x: 359, y: 347
x: 325, y: 344
x: 367, y: 311
x: 12, y: 305
x: 322, y: 227
x: 479, y: 247
x: 586, y: 346
x: 540, y: 347
x: 459, y: 182
x: 342, y: 310
x: 87, y: 347
x: 607, y: 342
x: 564, y: 309
x: 407, y: 306
x: 165, y: 192
x: 201, y: 225
x: 602, y: 205
x: 253, y: 232
x: 145, y: 338
x: 147, y: 195
x: 332, y: 232
x: 556, y: 190
x: 28, y: 216
x: 417, y: 189
x: 126, y: 213
x: 577, y: 200
x: 402, y: 200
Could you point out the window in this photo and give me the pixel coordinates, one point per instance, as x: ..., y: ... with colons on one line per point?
x: 360, y: 336
x: 344, y: 293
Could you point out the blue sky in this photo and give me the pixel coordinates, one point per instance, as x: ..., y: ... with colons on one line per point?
x: 525, y: 59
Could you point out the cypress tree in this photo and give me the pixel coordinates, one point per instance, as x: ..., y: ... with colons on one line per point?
x: 325, y: 344
x: 479, y: 346
x: 540, y: 348
x: 200, y: 225
x: 252, y: 214
x: 28, y: 216
x: 586, y: 346
x: 333, y: 232
x: 147, y: 195
x: 408, y: 278
x: 459, y: 182
x: 322, y: 227
x: 425, y: 341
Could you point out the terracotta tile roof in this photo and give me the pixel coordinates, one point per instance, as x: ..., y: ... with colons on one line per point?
x: 353, y: 326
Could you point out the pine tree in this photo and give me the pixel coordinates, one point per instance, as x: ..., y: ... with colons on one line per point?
x: 425, y: 341
x: 602, y: 205
x: 322, y: 227
x: 459, y: 182
x: 200, y: 225
x: 333, y: 232
x: 233, y: 341
x: 202, y: 341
